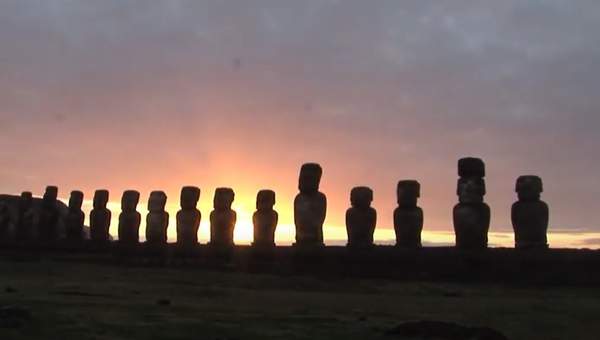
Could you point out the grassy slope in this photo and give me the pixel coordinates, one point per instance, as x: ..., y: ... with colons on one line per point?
x: 87, y: 301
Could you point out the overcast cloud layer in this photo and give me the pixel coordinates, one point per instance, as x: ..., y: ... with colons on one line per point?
x: 157, y: 94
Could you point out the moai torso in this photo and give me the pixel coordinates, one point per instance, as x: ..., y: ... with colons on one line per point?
x: 265, y: 219
x: 4, y: 223
x: 129, y: 219
x: 188, y: 218
x: 471, y: 215
x: 26, y: 219
x: 408, y: 217
x: 361, y: 218
x: 222, y: 218
x: 100, y: 217
x: 75, y: 217
x: 157, y: 220
x: 48, y: 228
x: 310, y: 207
x: 530, y: 215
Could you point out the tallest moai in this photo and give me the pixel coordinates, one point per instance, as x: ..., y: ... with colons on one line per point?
x: 310, y: 206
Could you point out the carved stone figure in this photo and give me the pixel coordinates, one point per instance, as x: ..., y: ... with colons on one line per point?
x: 222, y: 218
x: 265, y: 219
x: 408, y: 217
x: 471, y: 215
x: 188, y: 218
x: 48, y: 228
x: 4, y: 223
x: 157, y: 220
x: 361, y: 218
x: 129, y: 219
x: 310, y: 206
x: 530, y: 215
x: 100, y: 217
x: 75, y: 217
x: 26, y: 218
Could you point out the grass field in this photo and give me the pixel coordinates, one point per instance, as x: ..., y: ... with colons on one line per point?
x: 92, y: 301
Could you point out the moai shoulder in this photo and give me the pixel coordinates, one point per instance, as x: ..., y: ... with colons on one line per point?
x: 100, y: 217
x: 222, y: 218
x: 189, y: 217
x: 75, y: 217
x: 157, y: 220
x: 129, y: 219
x: 265, y: 219
x: 4, y: 223
x: 310, y: 206
x: 361, y: 218
x: 408, y: 217
x: 530, y: 215
x: 48, y: 222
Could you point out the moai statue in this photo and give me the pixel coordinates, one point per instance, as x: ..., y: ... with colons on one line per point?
x: 26, y: 218
x: 471, y: 214
x: 129, y: 219
x: 408, y: 217
x: 48, y: 228
x: 157, y: 220
x: 100, y: 217
x: 530, y: 214
x: 188, y: 218
x: 310, y: 207
x: 222, y: 218
x: 361, y: 218
x: 75, y: 217
x: 265, y: 219
x: 4, y: 223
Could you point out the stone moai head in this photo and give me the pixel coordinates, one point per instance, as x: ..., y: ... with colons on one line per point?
x: 408, y: 193
x: 265, y: 200
x: 189, y: 197
x: 51, y: 194
x: 130, y: 200
x: 310, y: 178
x: 471, y: 190
x: 529, y: 188
x: 157, y: 201
x: 471, y: 167
x: 26, y: 200
x: 100, y: 199
x: 223, y: 198
x: 361, y: 197
x: 76, y: 200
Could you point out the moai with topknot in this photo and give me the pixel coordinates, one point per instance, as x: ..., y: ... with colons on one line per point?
x: 408, y: 217
x: 265, y: 219
x: 4, y: 223
x: 530, y: 215
x: 129, y: 219
x: 26, y: 218
x: 188, y: 218
x: 222, y: 218
x: 310, y: 207
x: 75, y: 217
x: 471, y: 214
x: 100, y: 217
x: 48, y: 228
x: 157, y: 220
x: 361, y: 218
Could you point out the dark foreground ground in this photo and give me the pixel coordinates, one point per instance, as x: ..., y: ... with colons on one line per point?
x: 62, y: 300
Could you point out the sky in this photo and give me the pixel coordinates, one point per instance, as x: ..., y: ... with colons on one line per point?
x: 147, y: 95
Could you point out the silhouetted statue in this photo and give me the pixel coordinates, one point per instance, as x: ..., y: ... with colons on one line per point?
x: 26, y: 218
x: 49, y: 216
x: 265, y: 219
x: 188, y: 218
x: 129, y: 219
x: 75, y: 217
x: 310, y: 206
x: 408, y: 217
x: 471, y: 214
x: 157, y: 220
x: 222, y: 218
x: 100, y: 217
x: 361, y: 218
x: 4, y: 223
x: 530, y: 215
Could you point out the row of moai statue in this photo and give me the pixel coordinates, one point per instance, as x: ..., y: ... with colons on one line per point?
x: 471, y: 215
